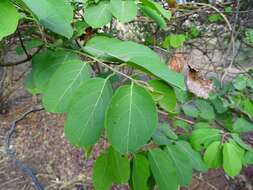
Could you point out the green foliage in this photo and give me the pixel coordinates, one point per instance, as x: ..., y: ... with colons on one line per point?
x: 110, y: 168
x: 179, y: 158
x: 130, y: 52
x: 164, y: 135
x: 123, y: 91
x: 163, y: 169
x: 174, y: 41
x: 249, y: 35
x: 101, y: 12
x: 131, y: 118
x: 57, y: 17
x: 242, y: 125
x: 85, y: 121
x: 46, y: 63
x: 140, y: 173
x: 232, y: 158
x: 215, y: 18
x: 124, y: 10
x: 168, y: 97
x: 213, y: 155
x: 63, y: 84
x: 8, y: 24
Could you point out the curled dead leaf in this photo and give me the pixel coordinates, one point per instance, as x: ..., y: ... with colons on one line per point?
x: 196, y: 82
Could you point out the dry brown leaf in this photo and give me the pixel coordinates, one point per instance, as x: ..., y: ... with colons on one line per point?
x: 195, y: 82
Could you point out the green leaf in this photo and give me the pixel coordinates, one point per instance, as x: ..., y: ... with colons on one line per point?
x: 163, y: 170
x: 190, y: 110
x: 194, y: 157
x: 98, y: 15
x: 215, y: 18
x: 247, y: 107
x: 232, y: 160
x: 240, y: 82
x: 158, y: 7
x: 124, y: 10
x: 131, y: 118
x: 29, y: 84
x: 206, y: 110
x: 202, y: 137
x: 164, y: 135
x: 213, y: 155
x: 46, y: 63
x: 140, y: 173
x: 219, y: 105
x: 248, y: 158
x: 174, y: 41
x: 8, y: 18
x: 55, y: 15
x: 138, y: 54
x: 85, y: 120
x: 182, y: 95
x: 249, y: 35
x: 63, y: 85
x: 240, y: 142
x: 110, y: 167
x: 179, y: 160
x: 154, y: 16
x: 168, y: 100
x: 241, y: 125
x: 182, y: 124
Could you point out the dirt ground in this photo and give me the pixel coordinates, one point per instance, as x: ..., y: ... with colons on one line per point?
x: 40, y: 143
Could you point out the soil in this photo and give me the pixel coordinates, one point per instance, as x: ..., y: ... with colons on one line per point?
x: 40, y: 143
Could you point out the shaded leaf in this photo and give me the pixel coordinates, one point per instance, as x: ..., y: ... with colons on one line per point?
x: 63, y: 85
x: 195, y: 157
x: 140, y: 173
x: 168, y: 100
x: 110, y: 167
x: 241, y: 125
x: 163, y: 170
x: 98, y: 15
x: 179, y: 159
x: 124, y: 10
x: 46, y: 63
x: 57, y: 17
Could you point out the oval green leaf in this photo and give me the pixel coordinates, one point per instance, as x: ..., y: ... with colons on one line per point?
x: 98, y: 15
x: 179, y: 160
x: 85, y: 120
x: 55, y: 15
x: 163, y: 170
x: 124, y: 10
x: 140, y: 173
x: 8, y: 18
x: 213, y: 155
x: 232, y: 159
x: 63, y: 85
x: 131, y: 118
x: 110, y: 167
x: 46, y: 63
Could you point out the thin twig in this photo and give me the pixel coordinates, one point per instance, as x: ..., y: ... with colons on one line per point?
x: 11, y: 64
x: 23, y: 45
